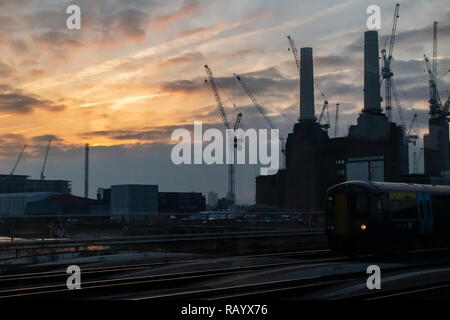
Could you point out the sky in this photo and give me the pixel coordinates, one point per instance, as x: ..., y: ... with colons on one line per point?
x: 134, y: 73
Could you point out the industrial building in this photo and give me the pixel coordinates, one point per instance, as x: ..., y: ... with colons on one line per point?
x: 21, y: 183
x: 375, y: 148
x: 45, y: 204
x: 181, y: 202
x: 144, y: 201
x: 134, y: 201
x: 212, y: 200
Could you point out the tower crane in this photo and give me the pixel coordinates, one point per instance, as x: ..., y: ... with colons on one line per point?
x: 294, y: 51
x: 326, y: 125
x: 263, y: 113
x: 386, y: 72
x: 435, y: 35
x: 231, y: 169
x: 435, y: 99
x: 45, y: 160
x: 409, y: 137
x: 439, y: 111
x: 18, y: 160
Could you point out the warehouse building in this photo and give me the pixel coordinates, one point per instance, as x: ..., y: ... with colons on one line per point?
x: 181, y: 202
x: 134, y: 201
x: 22, y: 184
x: 45, y: 204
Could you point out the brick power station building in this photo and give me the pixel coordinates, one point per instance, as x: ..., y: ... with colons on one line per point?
x: 374, y: 149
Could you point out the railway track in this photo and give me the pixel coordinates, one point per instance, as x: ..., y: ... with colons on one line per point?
x: 93, y: 279
x: 430, y: 291
x: 298, y: 287
x: 30, y: 276
x: 191, y: 284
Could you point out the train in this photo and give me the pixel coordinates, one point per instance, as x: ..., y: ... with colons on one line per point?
x: 386, y: 217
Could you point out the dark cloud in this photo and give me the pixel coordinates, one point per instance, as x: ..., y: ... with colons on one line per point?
x: 5, y: 87
x: 127, y: 25
x: 50, y: 20
x: 12, y: 137
x: 46, y: 138
x: 58, y: 39
x: 20, y: 103
x: 424, y: 35
x: 183, y: 85
x: 145, y: 134
x: 271, y: 72
x: 332, y: 60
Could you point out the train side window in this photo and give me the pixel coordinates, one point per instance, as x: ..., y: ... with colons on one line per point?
x: 421, y: 211
x: 429, y: 209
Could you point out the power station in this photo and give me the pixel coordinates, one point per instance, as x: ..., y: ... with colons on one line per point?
x: 375, y: 149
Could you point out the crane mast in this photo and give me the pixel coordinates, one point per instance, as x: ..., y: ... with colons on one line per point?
x: 435, y: 30
x: 18, y: 160
x: 45, y: 160
x: 435, y: 100
x: 231, y: 195
x: 437, y: 110
x: 386, y: 71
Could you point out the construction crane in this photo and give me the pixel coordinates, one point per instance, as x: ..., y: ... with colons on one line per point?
x: 231, y: 169
x: 410, y: 138
x: 294, y: 51
x: 326, y: 125
x: 263, y: 113
x: 435, y: 99
x: 386, y: 71
x: 336, y: 121
x: 45, y: 160
x: 437, y: 110
x: 18, y: 160
x: 435, y: 35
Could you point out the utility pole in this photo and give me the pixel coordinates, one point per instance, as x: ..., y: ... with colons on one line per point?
x: 86, y: 171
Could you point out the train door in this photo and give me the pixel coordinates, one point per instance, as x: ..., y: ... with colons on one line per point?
x: 341, y: 214
x: 425, y: 214
x: 430, y: 217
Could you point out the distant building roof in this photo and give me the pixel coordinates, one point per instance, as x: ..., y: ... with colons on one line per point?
x: 31, y: 196
x: 14, y: 176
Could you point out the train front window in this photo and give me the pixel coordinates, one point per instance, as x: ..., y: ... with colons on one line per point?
x: 360, y: 202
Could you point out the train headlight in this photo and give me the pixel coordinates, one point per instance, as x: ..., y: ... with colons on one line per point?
x: 363, y: 227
